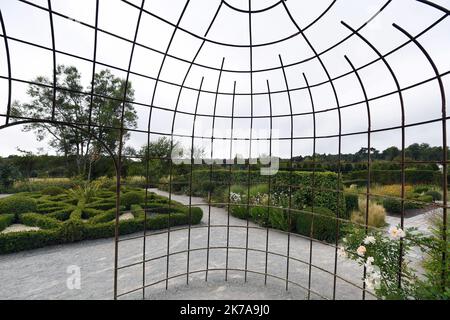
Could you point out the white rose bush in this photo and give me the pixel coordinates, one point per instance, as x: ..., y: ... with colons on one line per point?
x: 379, y: 252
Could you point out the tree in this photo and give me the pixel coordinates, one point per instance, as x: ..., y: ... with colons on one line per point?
x: 8, y: 175
x: 390, y: 153
x: 72, y: 107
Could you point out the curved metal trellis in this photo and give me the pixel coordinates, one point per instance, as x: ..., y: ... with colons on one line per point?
x: 220, y: 69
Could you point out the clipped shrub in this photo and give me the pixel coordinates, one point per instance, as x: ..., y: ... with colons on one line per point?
x: 239, y: 211
x: 53, y: 191
x: 39, y: 220
x: 48, y: 207
x: 6, y: 220
x: 351, y: 202
x: 61, y: 215
x: 421, y: 189
x: 17, y: 204
x: 102, y: 204
x: 76, y: 214
x: 436, y: 195
x: 426, y: 198
x: 260, y: 215
x: 278, y: 219
x: 89, y: 212
x: 106, y: 216
x: 164, y: 208
x: 131, y: 198
x: 137, y: 211
x: 18, y: 241
x: 324, y: 223
x: 395, y: 205
x: 392, y: 205
x: 196, y: 215
x: 71, y: 230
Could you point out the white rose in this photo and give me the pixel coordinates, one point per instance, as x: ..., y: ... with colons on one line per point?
x: 396, y: 233
x: 361, y: 251
x: 369, y: 240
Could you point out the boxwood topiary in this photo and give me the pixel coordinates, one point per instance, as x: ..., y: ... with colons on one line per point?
x: 436, y: 195
x: 239, y: 211
x: 131, y: 198
x: 53, y: 191
x: 17, y: 204
x: 260, y: 215
x: 6, y: 220
x: 324, y: 224
x: 71, y: 230
x: 39, y: 220
x: 351, y: 203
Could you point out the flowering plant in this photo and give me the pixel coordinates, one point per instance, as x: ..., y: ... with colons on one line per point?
x: 379, y: 252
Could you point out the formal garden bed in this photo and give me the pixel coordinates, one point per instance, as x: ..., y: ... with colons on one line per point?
x: 56, y: 215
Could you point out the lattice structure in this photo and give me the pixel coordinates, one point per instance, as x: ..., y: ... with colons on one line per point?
x: 260, y: 61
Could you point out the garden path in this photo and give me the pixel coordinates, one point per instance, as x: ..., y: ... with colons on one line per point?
x: 47, y: 273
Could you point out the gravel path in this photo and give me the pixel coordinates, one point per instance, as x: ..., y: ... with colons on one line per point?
x: 17, y: 227
x: 45, y: 273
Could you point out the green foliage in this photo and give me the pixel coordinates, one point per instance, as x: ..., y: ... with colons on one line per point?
x: 395, y: 205
x: 436, y: 286
x: 131, y: 198
x: 435, y: 195
x: 137, y: 211
x: 426, y: 198
x: 105, y: 204
x: 8, y: 175
x: 324, y: 182
x: 39, y: 220
x: 53, y: 191
x: 85, y: 193
x: 421, y: 189
x: 260, y: 215
x: 385, y: 252
x: 104, y: 217
x: 61, y: 215
x: 279, y: 219
x: 387, y: 177
x: 96, y: 220
x: 18, y: 241
x: 351, y: 202
x: 323, y: 221
x: 6, y: 220
x: 239, y: 211
x: 17, y: 204
x: 71, y: 231
x: 76, y: 108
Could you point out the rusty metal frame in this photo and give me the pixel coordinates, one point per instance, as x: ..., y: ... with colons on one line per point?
x: 355, y: 32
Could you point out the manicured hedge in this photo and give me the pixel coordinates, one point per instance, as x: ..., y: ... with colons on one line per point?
x: 53, y: 191
x: 6, y: 220
x: 62, y: 214
x: 324, y: 188
x: 412, y: 176
x: 351, y: 203
x: 324, y: 224
x: 131, y: 198
x: 18, y: 241
x: 17, y: 204
x: 75, y: 230
x: 395, y: 205
x: 39, y: 220
x: 435, y: 195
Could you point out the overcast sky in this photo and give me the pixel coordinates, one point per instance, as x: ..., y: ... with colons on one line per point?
x: 231, y: 26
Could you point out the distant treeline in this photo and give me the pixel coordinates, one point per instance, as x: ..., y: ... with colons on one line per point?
x: 28, y: 165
